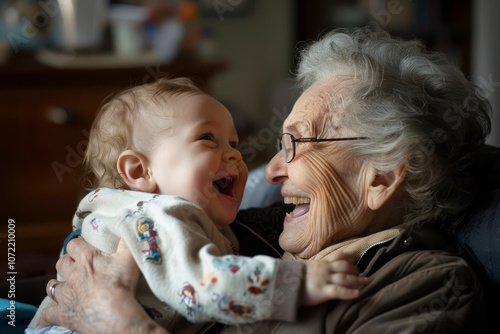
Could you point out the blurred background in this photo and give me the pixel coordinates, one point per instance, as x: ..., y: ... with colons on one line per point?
x: 60, y: 58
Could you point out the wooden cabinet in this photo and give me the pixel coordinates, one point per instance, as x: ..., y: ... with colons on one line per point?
x: 45, y: 116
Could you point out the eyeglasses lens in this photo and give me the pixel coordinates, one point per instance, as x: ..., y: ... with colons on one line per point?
x: 287, y: 147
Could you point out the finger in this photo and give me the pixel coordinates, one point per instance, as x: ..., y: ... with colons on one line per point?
x: 340, y: 292
x: 50, y: 316
x: 343, y: 266
x: 78, y: 246
x: 64, y: 264
x: 56, y: 286
x: 85, y: 256
x: 343, y: 257
x: 49, y: 286
x: 346, y: 280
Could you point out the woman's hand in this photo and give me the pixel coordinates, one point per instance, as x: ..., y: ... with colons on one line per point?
x: 337, y: 278
x: 98, y: 295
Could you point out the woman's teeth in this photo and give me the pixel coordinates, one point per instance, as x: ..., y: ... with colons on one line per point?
x: 299, y: 209
x: 297, y: 200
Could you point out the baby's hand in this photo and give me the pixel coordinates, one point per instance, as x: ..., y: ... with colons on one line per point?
x: 334, y: 279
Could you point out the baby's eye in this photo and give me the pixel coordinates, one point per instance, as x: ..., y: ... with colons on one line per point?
x: 207, y: 136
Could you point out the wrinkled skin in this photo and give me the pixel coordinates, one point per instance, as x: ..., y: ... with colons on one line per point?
x: 348, y: 199
x: 98, y: 296
x: 337, y: 185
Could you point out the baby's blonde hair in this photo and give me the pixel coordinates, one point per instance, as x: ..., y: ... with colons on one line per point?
x: 119, y: 118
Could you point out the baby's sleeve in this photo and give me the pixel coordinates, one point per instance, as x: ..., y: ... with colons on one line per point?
x: 185, y: 261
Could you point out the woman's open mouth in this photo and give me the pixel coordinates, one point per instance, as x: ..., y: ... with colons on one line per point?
x: 301, y: 208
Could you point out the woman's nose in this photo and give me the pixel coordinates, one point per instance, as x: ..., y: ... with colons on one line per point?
x: 277, y: 169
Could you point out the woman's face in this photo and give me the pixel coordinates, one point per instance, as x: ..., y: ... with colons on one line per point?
x: 322, y: 173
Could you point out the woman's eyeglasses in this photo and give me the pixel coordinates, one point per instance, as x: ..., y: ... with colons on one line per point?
x: 287, y: 143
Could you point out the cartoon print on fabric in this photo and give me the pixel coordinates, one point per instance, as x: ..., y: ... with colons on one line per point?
x: 82, y: 214
x: 188, y: 297
x: 257, y: 286
x: 227, y: 263
x: 94, y: 224
x: 147, y: 231
x: 93, y: 195
x: 140, y: 206
x: 227, y: 305
x: 222, y: 264
x: 207, y: 276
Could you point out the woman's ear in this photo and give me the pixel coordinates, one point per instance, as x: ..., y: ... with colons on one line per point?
x: 382, y: 187
x: 133, y: 168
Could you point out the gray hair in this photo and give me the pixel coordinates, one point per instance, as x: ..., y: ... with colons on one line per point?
x: 417, y: 110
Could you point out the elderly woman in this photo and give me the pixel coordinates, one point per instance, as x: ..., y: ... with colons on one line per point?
x: 374, y: 154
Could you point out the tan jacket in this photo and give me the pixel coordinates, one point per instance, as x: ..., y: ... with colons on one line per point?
x: 420, y: 283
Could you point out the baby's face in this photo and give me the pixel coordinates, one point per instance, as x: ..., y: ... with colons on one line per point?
x: 197, y: 159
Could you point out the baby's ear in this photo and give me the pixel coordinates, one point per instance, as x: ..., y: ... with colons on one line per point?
x: 133, y: 168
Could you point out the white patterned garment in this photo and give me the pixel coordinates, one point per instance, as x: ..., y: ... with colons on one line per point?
x: 189, y: 267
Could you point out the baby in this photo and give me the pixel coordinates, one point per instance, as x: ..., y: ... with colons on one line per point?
x: 168, y: 177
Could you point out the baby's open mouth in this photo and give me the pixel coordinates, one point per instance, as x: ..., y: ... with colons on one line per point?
x: 301, y: 207
x: 225, y: 185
